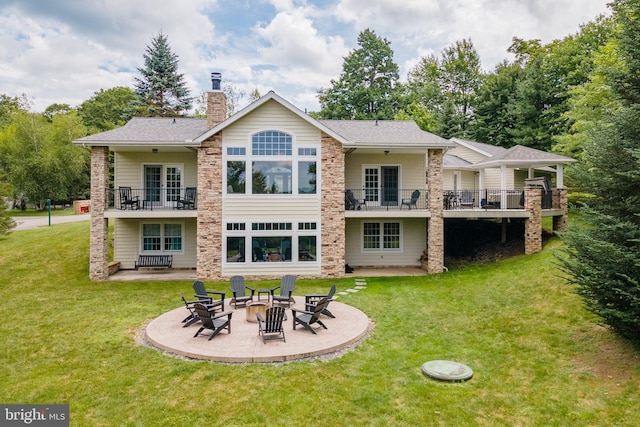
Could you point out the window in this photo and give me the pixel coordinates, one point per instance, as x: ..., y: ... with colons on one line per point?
x: 235, y: 249
x: 271, y: 242
x: 271, y: 143
x: 381, y: 236
x: 236, y: 176
x: 271, y: 177
x: 271, y: 166
x: 162, y: 237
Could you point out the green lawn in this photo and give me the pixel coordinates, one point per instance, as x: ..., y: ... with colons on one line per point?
x: 538, y: 357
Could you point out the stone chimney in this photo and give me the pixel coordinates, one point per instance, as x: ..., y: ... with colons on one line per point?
x: 216, y: 102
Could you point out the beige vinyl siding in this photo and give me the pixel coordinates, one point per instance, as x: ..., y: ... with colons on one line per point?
x: 127, y: 242
x: 129, y: 167
x: 271, y: 116
x: 412, y: 169
x: 413, y: 243
x: 492, y: 179
x: 271, y: 268
x: 467, y: 154
x: 269, y: 206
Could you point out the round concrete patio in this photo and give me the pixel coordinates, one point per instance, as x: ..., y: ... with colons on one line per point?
x: 244, y: 345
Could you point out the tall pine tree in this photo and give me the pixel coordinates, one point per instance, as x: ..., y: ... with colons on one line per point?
x: 368, y: 87
x: 161, y: 88
x: 603, y: 256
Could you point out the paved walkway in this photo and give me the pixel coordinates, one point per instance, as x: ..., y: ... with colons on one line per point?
x: 27, y: 222
x: 243, y: 344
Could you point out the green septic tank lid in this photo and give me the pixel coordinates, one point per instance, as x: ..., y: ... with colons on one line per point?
x: 446, y: 370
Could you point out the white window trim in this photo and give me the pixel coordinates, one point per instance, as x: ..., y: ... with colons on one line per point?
x: 248, y: 234
x: 381, y: 223
x: 161, y: 251
x: 294, y: 158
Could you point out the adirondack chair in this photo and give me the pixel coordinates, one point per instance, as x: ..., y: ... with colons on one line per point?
x: 189, y: 200
x: 310, y: 301
x: 207, y: 297
x: 270, y: 328
x: 214, y: 323
x: 127, y: 200
x: 412, y: 201
x: 308, y: 318
x: 239, y: 292
x: 350, y: 201
x: 286, y: 290
x: 193, y: 316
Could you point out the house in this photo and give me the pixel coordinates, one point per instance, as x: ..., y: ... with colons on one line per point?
x: 272, y: 191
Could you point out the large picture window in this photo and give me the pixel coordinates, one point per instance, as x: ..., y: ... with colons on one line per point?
x: 270, y: 165
x: 159, y: 237
x: 271, y: 242
x: 381, y: 236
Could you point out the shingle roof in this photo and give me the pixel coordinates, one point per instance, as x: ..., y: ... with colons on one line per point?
x: 451, y: 161
x: 385, y: 132
x: 150, y: 129
x: 487, y: 149
x: 519, y: 154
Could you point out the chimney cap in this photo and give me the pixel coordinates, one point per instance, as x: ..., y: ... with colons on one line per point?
x: 216, y: 79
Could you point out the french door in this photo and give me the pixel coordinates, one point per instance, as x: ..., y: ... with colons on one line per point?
x: 381, y: 185
x: 162, y: 184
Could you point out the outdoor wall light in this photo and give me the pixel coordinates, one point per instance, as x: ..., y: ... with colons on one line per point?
x: 386, y: 152
x: 154, y: 150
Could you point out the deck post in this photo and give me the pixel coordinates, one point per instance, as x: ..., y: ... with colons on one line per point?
x: 99, y: 248
x: 435, y: 238
x: 533, y: 225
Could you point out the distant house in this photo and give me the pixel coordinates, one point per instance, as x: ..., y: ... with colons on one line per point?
x: 272, y: 191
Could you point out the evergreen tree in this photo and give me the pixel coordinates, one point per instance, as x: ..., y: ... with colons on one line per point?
x: 603, y: 256
x: 368, y: 87
x: 161, y: 88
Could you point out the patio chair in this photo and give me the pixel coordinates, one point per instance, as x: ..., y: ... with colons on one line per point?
x: 350, y: 201
x: 127, y: 199
x: 189, y: 201
x: 193, y: 316
x: 466, y: 201
x: 207, y: 297
x: 308, y: 318
x: 286, y: 289
x: 411, y: 202
x: 210, y: 321
x: 239, y: 295
x: 310, y: 301
x: 270, y: 328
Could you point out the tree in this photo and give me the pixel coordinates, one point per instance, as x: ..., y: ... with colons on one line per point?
x: 493, y: 121
x: 602, y: 257
x: 107, y: 109
x: 162, y: 89
x: 446, y: 89
x: 6, y: 223
x: 368, y: 86
x: 39, y: 159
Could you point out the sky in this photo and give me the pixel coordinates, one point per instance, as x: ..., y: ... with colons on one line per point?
x: 64, y: 51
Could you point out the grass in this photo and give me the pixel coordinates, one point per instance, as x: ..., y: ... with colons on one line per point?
x: 539, y: 358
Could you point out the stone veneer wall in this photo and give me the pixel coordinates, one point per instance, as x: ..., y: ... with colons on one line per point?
x: 99, y: 249
x: 533, y: 225
x: 332, y: 208
x: 560, y: 222
x: 435, y: 239
x: 209, y: 233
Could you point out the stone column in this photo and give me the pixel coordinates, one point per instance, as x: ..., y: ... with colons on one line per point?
x: 209, y: 228
x: 533, y: 225
x: 435, y: 239
x: 560, y: 222
x: 332, y: 208
x: 99, y: 234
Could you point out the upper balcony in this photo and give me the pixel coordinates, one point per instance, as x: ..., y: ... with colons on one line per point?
x: 128, y: 202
